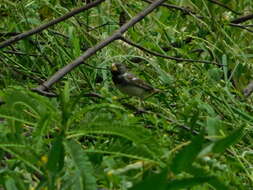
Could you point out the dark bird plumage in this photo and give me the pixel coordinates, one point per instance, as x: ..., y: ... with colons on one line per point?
x: 130, y: 84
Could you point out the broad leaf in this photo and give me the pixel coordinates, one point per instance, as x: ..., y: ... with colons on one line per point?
x: 193, y: 181
x: 156, y: 181
x: 221, y: 145
x: 56, y: 156
x: 186, y: 156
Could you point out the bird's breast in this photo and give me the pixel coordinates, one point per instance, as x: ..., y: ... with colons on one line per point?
x: 132, y: 90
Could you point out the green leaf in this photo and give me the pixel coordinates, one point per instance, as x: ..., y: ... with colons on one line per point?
x: 156, y: 181
x: 131, y: 131
x: 193, y: 181
x: 213, y: 125
x: 66, y: 105
x: 186, y: 156
x: 75, y: 41
x: 10, y: 184
x: 199, y: 172
x: 225, y: 66
x: 66, y: 93
x: 221, y: 145
x: 56, y: 156
x: 83, y: 166
x: 215, y: 74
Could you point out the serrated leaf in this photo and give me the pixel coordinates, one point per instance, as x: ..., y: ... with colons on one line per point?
x: 83, y: 166
x: 139, y: 135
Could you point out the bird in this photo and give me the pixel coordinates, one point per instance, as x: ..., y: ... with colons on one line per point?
x: 129, y: 84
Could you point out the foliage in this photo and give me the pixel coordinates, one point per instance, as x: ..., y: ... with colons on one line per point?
x: 195, y: 134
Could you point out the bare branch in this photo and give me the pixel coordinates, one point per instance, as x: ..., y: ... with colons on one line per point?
x: 241, y: 26
x: 46, y: 25
x: 31, y: 75
x: 93, y: 94
x: 91, y: 51
x: 165, y: 56
x: 242, y: 19
x: 217, y: 2
x: 20, y: 53
x: 171, y: 6
x: 4, y: 34
x: 44, y: 93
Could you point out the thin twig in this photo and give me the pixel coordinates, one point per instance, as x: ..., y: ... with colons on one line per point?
x: 91, y: 51
x: 20, y: 53
x: 3, y: 34
x: 248, y: 25
x: 144, y: 111
x: 31, y: 75
x: 93, y: 94
x: 58, y: 33
x: 44, y: 93
x: 46, y: 25
x: 102, y: 25
x: 171, y: 6
x: 241, y: 26
x: 224, y: 6
x: 242, y: 19
x: 166, y: 56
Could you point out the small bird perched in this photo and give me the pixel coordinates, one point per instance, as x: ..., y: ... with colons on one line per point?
x: 130, y: 84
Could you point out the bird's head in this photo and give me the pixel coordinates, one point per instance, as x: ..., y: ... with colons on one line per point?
x: 118, y: 68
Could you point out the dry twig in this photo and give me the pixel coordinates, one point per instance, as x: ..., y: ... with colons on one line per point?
x: 217, y: 2
x: 171, y: 6
x: 165, y: 56
x: 241, y: 26
x: 46, y: 25
x: 242, y: 19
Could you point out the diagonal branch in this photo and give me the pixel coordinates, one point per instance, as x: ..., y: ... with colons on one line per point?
x: 171, y: 6
x: 20, y: 53
x: 242, y: 19
x: 217, y: 2
x: 237, y: 22
x: 241, y: 26
x: 165, y: 56
x: 91, y: 51
x: 46, y: 25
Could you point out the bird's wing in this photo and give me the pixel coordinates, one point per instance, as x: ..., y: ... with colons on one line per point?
x: 133, y: 80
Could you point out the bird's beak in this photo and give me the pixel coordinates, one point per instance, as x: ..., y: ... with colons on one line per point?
x: 114, y: 67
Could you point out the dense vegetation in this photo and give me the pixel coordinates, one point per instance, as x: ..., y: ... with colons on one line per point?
x: 195, y: 134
